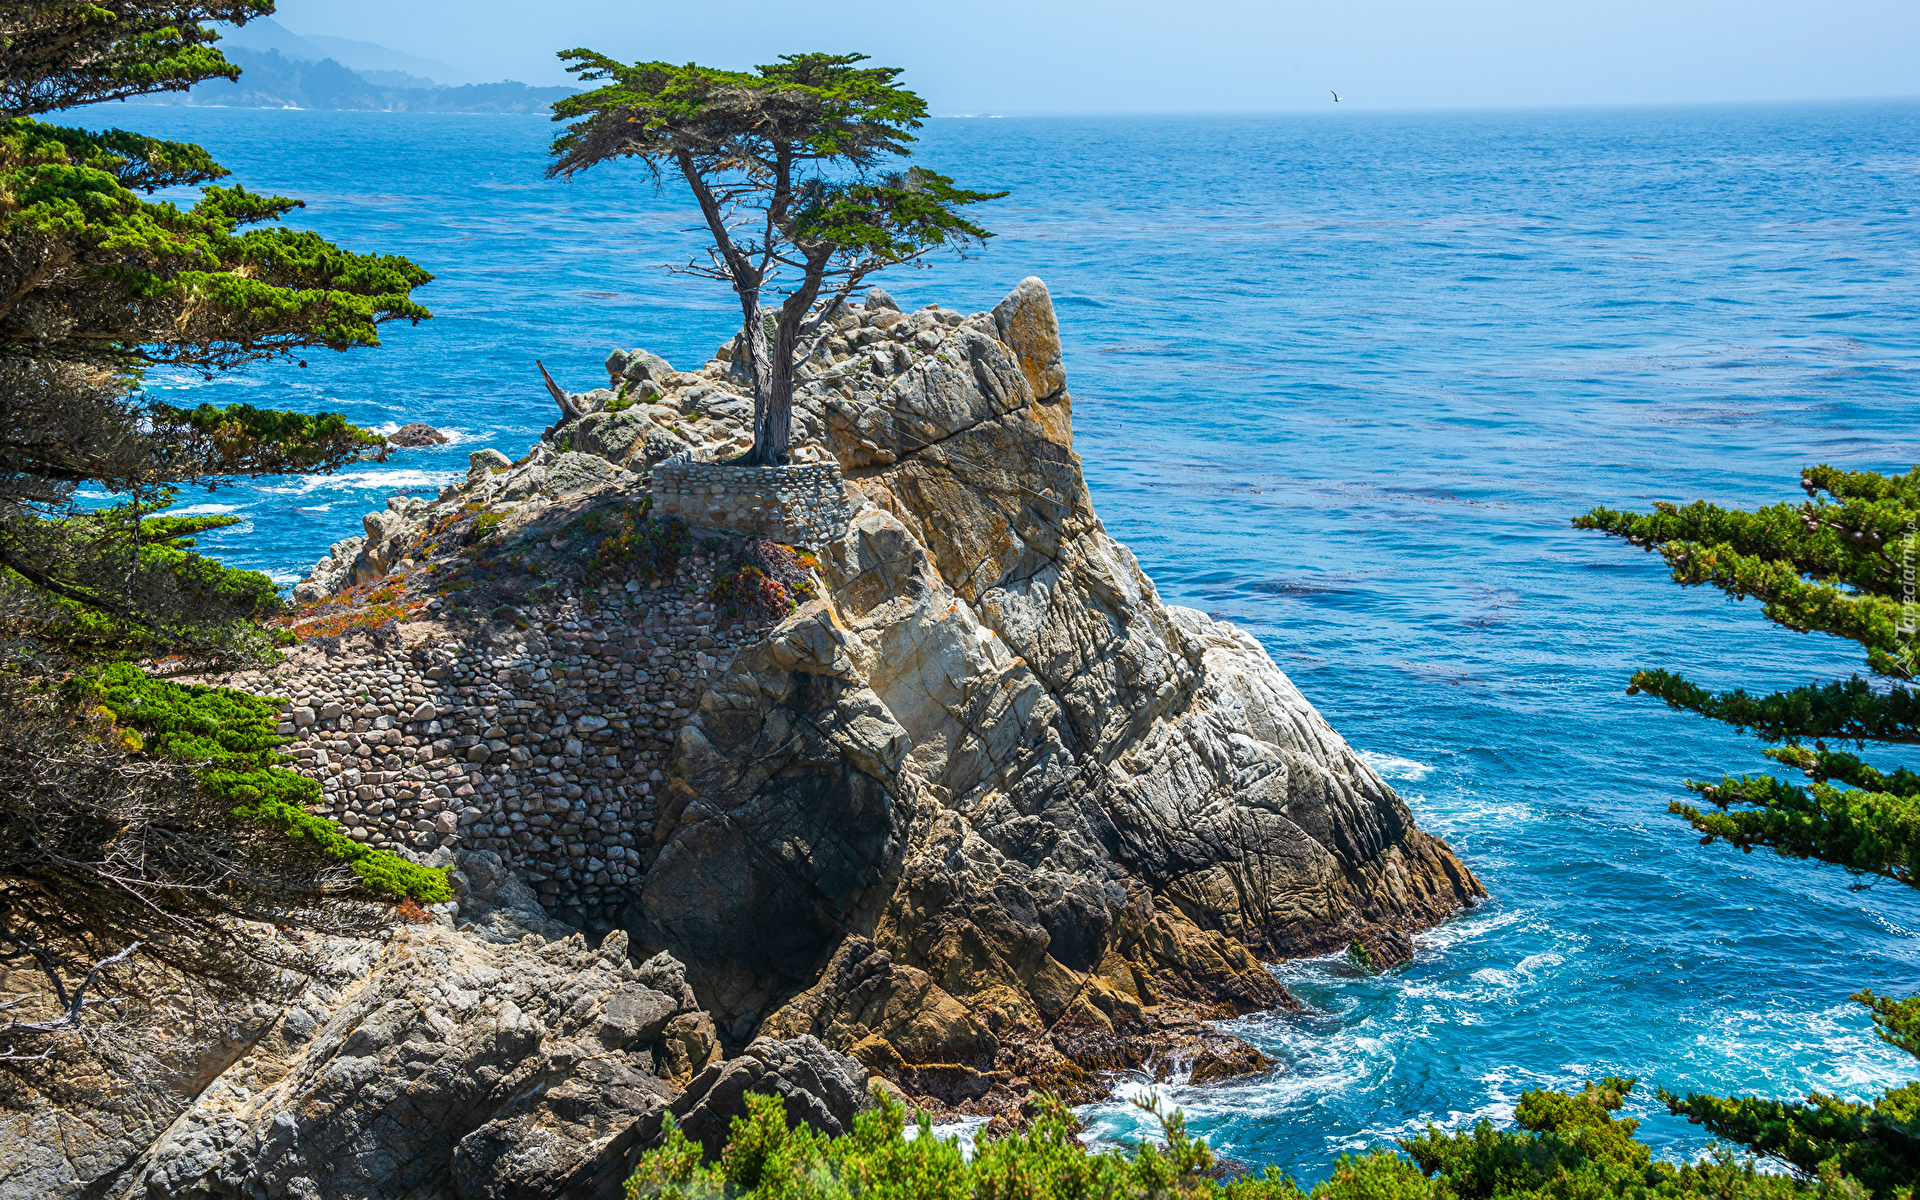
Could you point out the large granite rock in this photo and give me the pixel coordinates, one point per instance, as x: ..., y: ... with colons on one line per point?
x: 816, y: 1086
x: 633, y: 437
x: 984, y: 815
x: 439, y: 1063
x: 988, y: 814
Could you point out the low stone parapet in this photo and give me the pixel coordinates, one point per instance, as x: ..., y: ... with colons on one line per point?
x: 802, y: 505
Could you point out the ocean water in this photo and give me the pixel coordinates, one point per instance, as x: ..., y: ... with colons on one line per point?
x: 1342, y: 380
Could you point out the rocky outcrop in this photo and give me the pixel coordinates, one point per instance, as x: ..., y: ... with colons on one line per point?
x: 415, y: 434
x: 816, y: 1086
x: 980, y: 815
x: 1069, y: 818
x: 1058, y: 818
x: 469, y: 1063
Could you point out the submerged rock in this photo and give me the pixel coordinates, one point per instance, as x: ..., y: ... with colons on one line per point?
x: 416, y: 434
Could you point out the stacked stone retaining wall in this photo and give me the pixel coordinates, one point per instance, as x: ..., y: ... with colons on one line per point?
x: 547, y: 744
x: 803, y: 505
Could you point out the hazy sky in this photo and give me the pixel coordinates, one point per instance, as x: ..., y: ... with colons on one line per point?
x: 1018, y: 56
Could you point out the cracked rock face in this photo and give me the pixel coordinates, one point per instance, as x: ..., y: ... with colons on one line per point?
x: 469, y: 1063
x: 988, y: 814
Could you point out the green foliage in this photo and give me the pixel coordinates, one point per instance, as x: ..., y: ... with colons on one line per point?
x: 1835, y: 566
x: 1843, y: 566
x: 61, y: 53
x: 634, y: 542
x: 1896, y: 1022
x: 1360, y: 958
x: 229, y: 736
x: 1868, y: 832
x: 96, y: 284
x: 1571, y: 1147
x: 150, y: 282
x: 254, y: 441
x: 893, y: 218
x: 824, y: 105
x: 1568, y: 1147
x: 184, y: 853
x: 187, y: 603
x: 767, y: 1160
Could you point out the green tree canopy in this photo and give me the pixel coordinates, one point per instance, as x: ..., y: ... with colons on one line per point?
x: 1841, y: 563
x: 784, y: 162
x: 136, y: 814
x: 57, y: 54
x: 98, y: 283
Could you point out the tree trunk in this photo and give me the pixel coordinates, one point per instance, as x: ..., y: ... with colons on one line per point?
x: 773, y: 420
x: 763, y: 364
x: 773, y: 388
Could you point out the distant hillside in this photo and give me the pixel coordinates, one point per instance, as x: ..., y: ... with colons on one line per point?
x: 271, y: 80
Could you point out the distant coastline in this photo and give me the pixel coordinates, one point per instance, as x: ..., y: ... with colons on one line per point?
x: 271, y: 80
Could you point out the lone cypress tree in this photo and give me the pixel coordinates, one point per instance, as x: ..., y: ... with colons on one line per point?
x: 1842, y: 562
x: 782, y: 161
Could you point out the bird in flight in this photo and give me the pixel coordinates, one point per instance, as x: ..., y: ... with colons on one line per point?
x: 1336, y: 96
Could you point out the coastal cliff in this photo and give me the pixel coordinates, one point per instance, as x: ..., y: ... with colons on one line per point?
x: 949, y: 801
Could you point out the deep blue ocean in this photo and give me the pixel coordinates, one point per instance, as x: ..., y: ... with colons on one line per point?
x: 1342, y: 380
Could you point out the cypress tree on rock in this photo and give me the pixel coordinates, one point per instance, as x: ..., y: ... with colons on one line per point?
x: 784, y: 163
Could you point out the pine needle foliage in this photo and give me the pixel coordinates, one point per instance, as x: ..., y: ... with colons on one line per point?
x: 229, y: 736
x: 99, y: 283
x: 137, y: 814
x: 1841, y: 563
x: 57, y: 54
x: 107, y: 846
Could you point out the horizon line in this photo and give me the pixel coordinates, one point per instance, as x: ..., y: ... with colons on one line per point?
x: 1027, y: 114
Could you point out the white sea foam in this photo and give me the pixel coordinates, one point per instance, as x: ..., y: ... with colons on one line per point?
x: 963, y: 1131
x: 460, y: 437
x: 1390, y: 766
x: 1796, y: 1049
x: 205, y: 510
x: 387, y: 482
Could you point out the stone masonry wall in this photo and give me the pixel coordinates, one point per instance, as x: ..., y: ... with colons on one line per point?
x: 545, y: 744
x: 801, y: 505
